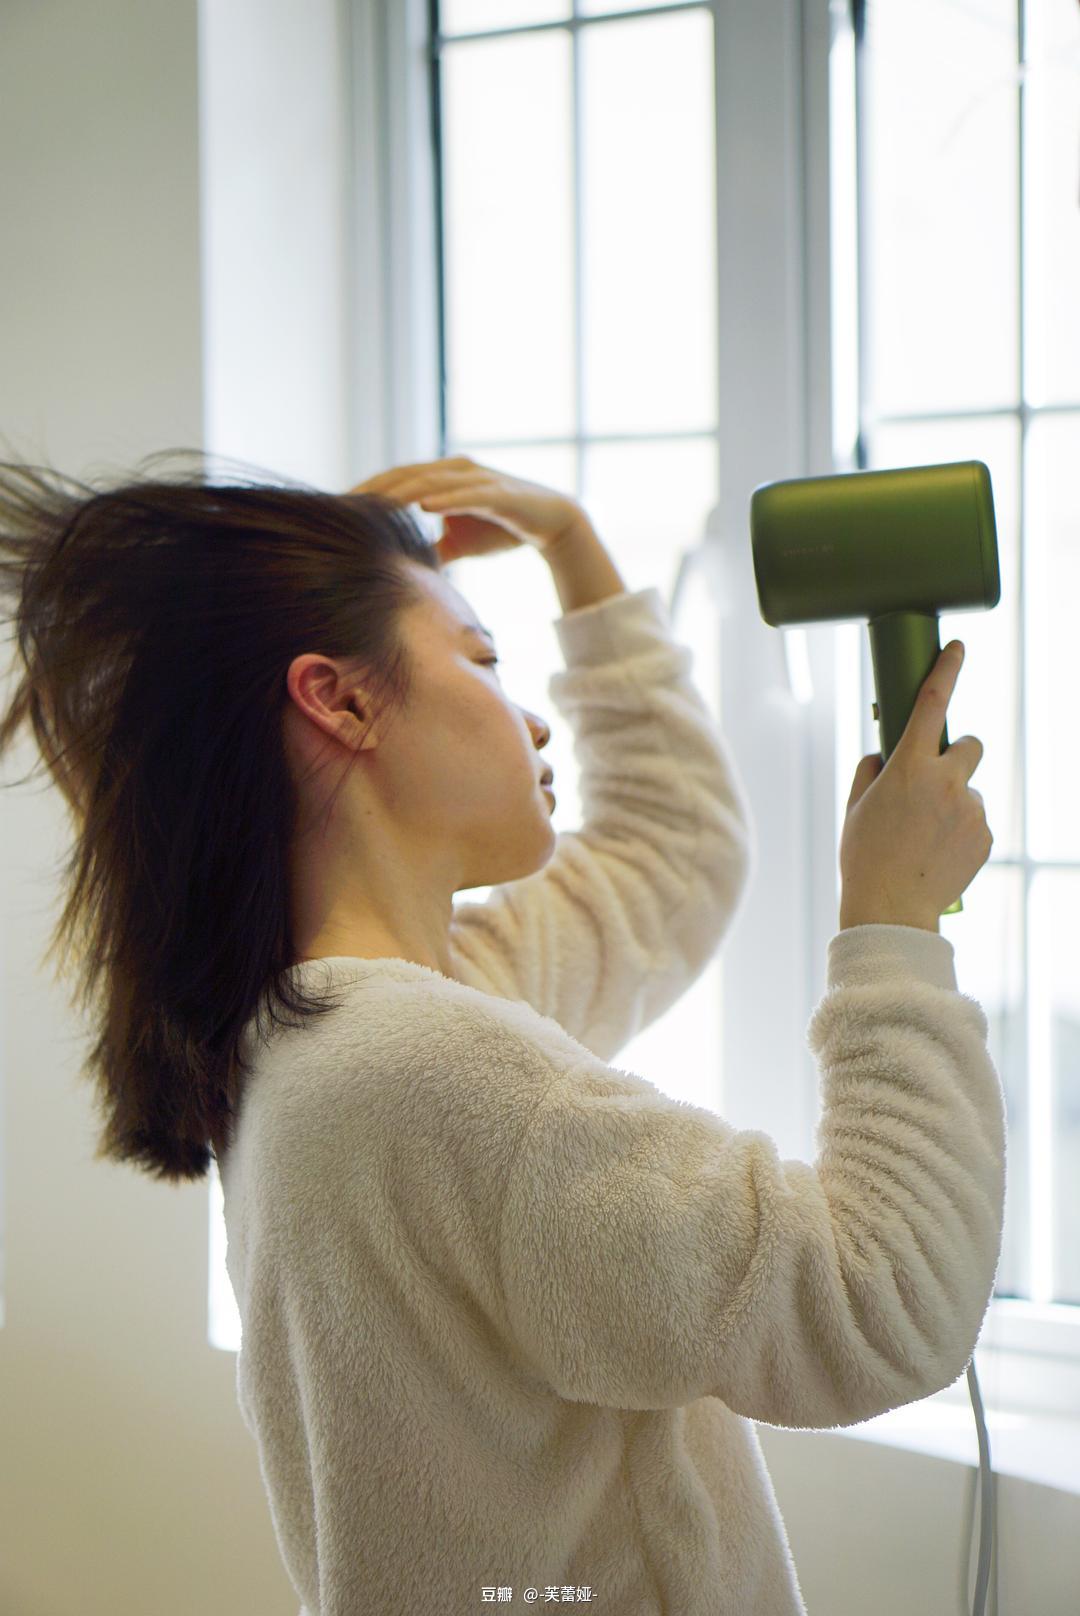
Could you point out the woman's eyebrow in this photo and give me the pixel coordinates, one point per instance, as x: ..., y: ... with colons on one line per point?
x: 478, y: 628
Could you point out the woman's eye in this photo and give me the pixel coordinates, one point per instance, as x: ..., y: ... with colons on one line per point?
x: 490, y: 662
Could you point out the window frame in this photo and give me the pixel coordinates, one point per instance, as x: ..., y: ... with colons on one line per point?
x: 778, y: 330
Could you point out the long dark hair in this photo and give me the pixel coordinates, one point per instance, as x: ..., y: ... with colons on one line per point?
x: 156, y: 620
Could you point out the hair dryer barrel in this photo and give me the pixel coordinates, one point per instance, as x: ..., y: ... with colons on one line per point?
x: 861, y: 544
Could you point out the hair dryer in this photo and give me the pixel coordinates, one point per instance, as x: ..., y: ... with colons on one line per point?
x: 894, y: 547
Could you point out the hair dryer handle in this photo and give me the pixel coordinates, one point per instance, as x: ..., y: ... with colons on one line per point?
x: 903, y: 647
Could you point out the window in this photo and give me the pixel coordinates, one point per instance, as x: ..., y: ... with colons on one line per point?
x: 578, y: 273
x: 622, y: 252
x: 586, y: 235
x: 968, y: 139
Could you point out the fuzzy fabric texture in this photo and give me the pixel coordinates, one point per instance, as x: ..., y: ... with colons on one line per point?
x: 509, y: 1313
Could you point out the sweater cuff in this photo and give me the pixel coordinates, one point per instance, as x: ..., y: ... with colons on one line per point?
x: 871, y: 954
x: 617, y: 627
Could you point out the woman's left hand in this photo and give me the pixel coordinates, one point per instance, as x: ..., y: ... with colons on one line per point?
x: 483, y: 510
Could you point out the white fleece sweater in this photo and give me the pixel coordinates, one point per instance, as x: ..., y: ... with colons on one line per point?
x: 508, y: 1311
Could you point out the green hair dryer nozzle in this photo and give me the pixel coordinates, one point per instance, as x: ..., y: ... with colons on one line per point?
x: 894, y: 547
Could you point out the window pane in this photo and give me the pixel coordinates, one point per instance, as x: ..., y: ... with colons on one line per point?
x: 940, y: 195
x: 1052, y: 201
x: 986, y: 702
x: 508, y: 220
x: 469, y: 16
x: 1052, y: 583
x: 598, y: 8
x: 987, y: 937
x: 649, y: 205
x: 650, y: 501
x: 224, y: 1327
x: 1061, y: 904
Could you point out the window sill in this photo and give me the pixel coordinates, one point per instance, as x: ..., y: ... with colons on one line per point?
x: 1037, y: 1447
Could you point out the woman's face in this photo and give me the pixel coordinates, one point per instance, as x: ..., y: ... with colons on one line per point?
x: 455, y: 774
x: 464, y: 760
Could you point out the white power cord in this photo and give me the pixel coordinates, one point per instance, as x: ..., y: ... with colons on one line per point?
x: 987, y: 1513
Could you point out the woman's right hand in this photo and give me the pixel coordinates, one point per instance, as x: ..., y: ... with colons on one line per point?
x: 915, y: 834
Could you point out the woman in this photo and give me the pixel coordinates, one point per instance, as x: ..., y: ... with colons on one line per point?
x: 508, y: 1311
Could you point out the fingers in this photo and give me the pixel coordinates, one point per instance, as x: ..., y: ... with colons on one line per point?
x: 867, y: 772
x: 924, y: 727
x: 966, y: 754
x: 418, y: 470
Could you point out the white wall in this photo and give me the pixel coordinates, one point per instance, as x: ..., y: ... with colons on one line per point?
x: 877, y: 1528
x: 127, y: 1481
x: 275, y: 179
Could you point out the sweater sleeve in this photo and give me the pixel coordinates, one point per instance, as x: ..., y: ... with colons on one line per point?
x: 630, y: 908
x: 651, y: 1254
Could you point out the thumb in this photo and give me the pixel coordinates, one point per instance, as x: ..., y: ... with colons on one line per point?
x: 869, y: 768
